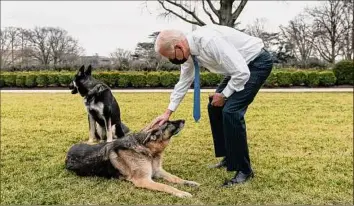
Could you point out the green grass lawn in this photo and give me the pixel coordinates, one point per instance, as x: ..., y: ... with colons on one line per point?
x: 301, y: 147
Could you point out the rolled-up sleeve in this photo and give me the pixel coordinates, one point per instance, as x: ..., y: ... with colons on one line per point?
x: 229, y: 57
x: 181, y: 88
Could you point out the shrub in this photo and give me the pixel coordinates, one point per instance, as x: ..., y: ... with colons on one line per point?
x: 327, y: 78
x: 21, y: 80
x: 209, y: 79
x: 42, y: 80
x: 271, y: 80
x: 31, y: 80
x: 53, y: 79
x: 65, y: 79
x: 9, y: 80
x: 284, y: 79
x: 124, y: 80
x: 2, y: 83
x: 153, y: 79
x: 298, y: 78
x: 106, y: 77
x: 114, y: 78
x: 313, y: 79
x: 344, y: 72
x: 168, y: 79
x: 138, y: 80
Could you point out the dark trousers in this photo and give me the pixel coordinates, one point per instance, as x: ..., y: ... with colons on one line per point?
x: 228, y: 122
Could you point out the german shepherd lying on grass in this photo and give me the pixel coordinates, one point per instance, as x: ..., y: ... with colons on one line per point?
x: 136, y: 157
x: 102, y: 108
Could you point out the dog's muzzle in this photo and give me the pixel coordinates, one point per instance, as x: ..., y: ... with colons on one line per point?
x: 73, y: 87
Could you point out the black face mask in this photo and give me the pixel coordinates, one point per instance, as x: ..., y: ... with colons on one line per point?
x: 178, y: 61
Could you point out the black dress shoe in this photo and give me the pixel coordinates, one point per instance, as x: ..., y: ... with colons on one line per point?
x: 221, y: 164
x: 239, y: 178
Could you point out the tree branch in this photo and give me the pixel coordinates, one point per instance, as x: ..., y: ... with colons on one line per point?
x: 216, y: 12
x: 208, y: 13
x: 239, y: 9
x: 201, y: 23
x: 181, y: 17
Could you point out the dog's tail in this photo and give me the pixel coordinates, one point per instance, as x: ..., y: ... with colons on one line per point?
x: 125, y: 129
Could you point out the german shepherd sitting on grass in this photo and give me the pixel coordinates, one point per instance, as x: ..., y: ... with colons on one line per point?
x: 136, y: 157
x: 103, y: 109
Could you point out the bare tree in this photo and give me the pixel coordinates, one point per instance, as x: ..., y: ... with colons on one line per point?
x: 329, y: 25
x: 257, y: 29
x: 10, y: 43
x: 4, y: 48
x: 40, y: 46
x: 222, y: 12
x: 52, y: 45
x: 347, y: 43
x: 121, y: 57
x: 301, y: 36
x: 62, y: 45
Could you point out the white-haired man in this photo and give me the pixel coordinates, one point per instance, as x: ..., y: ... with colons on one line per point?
x: 246, y: 66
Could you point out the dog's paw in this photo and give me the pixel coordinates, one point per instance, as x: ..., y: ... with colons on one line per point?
x: 91, y: 141
x: 183, y: 194
x: 191, y: 183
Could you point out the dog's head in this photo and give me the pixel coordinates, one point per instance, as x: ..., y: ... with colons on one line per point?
x: 158, y: 137
x: 81, y: 80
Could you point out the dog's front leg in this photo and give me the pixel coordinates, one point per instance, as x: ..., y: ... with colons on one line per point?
x: 150, y: 184
x: 161, y: 173
x: 92, y: 129
x: 108, y: 125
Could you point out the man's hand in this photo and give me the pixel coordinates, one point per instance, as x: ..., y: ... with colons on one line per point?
x: 160, y: 120
x: 218, y: 100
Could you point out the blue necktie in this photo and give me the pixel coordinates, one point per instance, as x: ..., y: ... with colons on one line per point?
x: 196, y: 106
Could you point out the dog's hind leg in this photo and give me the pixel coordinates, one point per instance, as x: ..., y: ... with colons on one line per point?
x: 161, y: 173
x: 101, y: 131
x: 150, y: 184
x: 92, y: 129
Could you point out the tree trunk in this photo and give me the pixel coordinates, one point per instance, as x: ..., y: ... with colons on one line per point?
x: 226, y: 13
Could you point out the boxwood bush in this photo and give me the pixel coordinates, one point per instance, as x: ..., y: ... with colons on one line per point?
x: 31, y: 80
x: 327, y: 78
x: 116, y: 79
x: 21, y: 80
x: 298, y: 78
x: 153, y: 79
x: 313, y: 79
x: 344, y: 72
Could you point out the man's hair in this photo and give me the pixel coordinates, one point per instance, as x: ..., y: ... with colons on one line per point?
x: 167, y: 40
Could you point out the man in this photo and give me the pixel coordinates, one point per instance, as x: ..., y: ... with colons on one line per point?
x: 246, y: 66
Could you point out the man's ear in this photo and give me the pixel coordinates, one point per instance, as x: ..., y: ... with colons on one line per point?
x: 88, y: 70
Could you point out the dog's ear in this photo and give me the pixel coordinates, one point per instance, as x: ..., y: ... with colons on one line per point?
x: 88, y: 70
x: 152, y: 135
x: 81, y: 70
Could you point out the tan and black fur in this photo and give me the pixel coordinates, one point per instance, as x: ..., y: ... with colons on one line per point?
x: 136, y: 158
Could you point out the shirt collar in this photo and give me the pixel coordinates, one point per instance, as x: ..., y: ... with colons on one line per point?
x: 192, y: 46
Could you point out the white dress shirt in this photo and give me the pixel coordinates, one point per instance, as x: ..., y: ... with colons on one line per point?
x: 221, y: 50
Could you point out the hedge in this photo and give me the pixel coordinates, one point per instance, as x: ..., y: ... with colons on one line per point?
x: 278, y: 78
x: 344, y: 72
